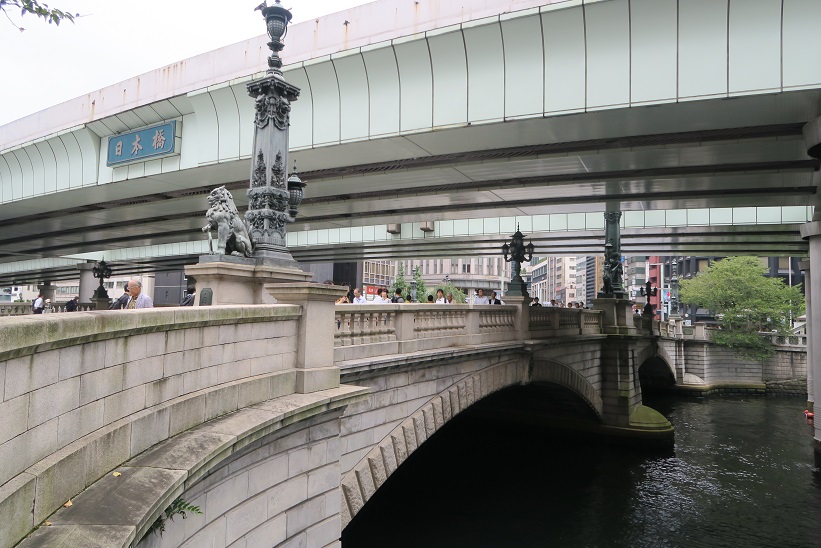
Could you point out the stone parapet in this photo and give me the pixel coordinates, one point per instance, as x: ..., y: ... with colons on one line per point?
x: 240, y: 281
x: 367, y: 331
x: 152, y: 479
x: 83, y: 392
x: 561, y: 322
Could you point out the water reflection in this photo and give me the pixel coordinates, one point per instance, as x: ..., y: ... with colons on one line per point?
x: 742, y: 474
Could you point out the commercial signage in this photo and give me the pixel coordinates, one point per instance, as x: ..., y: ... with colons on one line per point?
x: 142, y: 144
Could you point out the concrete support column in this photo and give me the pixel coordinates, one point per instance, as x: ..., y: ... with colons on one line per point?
x: 47, y: 290
x: 812, y: 232
x: 804, y: 266
x: 315, y: 337
x: 88, y: 283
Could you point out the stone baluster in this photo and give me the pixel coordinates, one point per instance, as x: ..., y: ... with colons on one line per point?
x: 361, y: 327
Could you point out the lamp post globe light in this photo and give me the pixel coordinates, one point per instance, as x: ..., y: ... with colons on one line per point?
x: 101, y: 271
x: 276, y: 22
x: 516, y: 253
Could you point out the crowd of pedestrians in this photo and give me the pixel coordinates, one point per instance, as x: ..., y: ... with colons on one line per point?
x: 382, y: 296
x: 558, y: 304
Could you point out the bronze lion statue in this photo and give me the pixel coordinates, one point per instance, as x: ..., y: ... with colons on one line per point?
x: 232, y: 233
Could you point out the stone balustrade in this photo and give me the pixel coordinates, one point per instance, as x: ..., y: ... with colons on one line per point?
x: 797, y: 341
x: 548, y: 321
x: 22, y: 309
x: 366, y: 331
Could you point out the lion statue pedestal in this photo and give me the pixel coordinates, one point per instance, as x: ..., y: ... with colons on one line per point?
x: 241, y: 282
x: 230, y: 272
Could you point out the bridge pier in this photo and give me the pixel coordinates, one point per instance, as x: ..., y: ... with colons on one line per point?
x: 812, y: 232
x: 88, y: 283
x: 804, y: 266
x: 623, y: 414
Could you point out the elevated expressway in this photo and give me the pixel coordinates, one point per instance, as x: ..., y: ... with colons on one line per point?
x: 687, y: 116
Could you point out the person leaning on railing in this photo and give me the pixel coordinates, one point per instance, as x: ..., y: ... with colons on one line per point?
x: 440, y: 297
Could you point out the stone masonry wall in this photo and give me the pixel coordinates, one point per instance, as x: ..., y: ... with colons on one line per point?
x: 786, y: 365
x: 715, y: 365
x: 584, y: 357
x: 282, y: 490
x: 395, y: 396
x: 70, y: 410
x: 720, y: 365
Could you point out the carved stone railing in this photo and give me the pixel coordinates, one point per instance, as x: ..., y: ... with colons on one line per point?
x: 374, y: 325
x: 22, y: 309
x: 792, y: 341
x: 365, y: 331
x: 561, y: 322
x: 700, y: 332
x: 15, y: 309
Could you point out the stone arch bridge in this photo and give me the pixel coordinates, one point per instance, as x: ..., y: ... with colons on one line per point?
x: 278, y: 435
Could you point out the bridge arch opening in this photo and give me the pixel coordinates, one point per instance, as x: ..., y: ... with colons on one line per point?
x: 492, y: 461
x: 656, y: 377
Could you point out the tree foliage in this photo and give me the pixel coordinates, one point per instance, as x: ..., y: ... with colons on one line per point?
x: 745, y: 303
x: 399, y: 282
x: 38, y: 9
x: 421, y: 286
x: 459, y: 296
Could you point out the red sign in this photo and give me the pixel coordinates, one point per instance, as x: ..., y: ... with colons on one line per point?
x: 371, y: 290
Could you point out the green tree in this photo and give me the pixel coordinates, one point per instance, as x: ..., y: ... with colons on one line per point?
x: 745, y: 303
x: 38, y: 9
x: 459, y: 296
x: 421, y: 286
x: 399, y: 281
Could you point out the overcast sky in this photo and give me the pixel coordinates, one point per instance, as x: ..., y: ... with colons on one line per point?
x: 117, y: 39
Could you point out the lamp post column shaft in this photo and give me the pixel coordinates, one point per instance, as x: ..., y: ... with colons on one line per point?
x: 268, y: 197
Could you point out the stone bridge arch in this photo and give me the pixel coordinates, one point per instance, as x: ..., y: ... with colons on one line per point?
x: 385, y: 457
x: 556, y: 372
x: 655, y: 368
x: 371, y: 472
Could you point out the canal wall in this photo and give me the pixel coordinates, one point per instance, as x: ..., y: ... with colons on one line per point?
x: 708, y: 369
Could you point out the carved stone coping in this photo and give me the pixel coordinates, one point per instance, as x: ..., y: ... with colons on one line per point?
x: 377, y: 365
x: 117, y: 511
x: 26, y: 335
x: 305, y: 291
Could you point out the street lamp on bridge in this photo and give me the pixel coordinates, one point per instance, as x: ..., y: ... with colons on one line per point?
x: 516, y: 253
x: 101, y: 271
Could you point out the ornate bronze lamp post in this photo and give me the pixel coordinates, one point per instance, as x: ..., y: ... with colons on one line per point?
x: 613, y: 272
x: 674, y: 289
x: 648, y: 291
x: 273, y: 201
x: 516, y: 253
x: 102, y: 271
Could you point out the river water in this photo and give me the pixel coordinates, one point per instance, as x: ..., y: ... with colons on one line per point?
x: 742, y: 474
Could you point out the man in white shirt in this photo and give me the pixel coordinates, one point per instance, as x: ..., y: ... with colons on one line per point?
x: 480, y: 298
x: 440, y: 297
x: 38, y: 305
x: 358, y: 297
